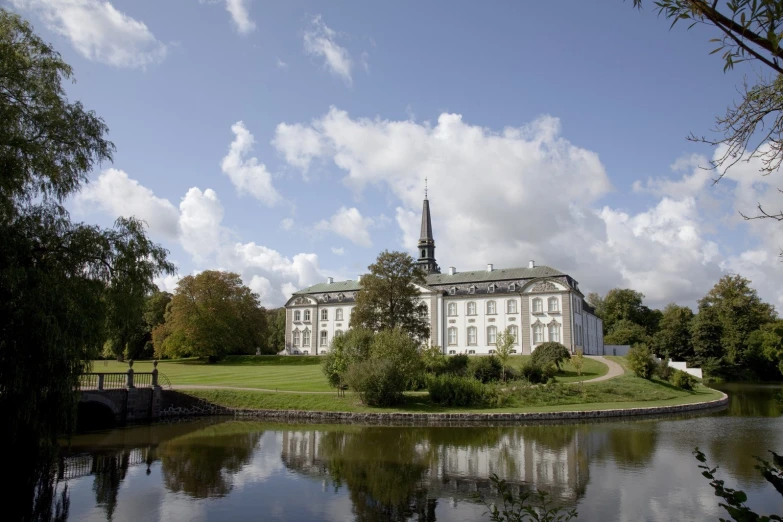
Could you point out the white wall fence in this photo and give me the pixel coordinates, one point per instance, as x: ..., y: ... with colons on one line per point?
x: 696, y: 372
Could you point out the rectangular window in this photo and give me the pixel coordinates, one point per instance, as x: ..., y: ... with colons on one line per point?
x: 538, y: 306
x: 471, y: 352
x: 324, y: 338
x: 472, y: 335
x: 306, y: 338
x: 307, y: 315
x: 338, y: 314
x: 491, y: 334
x: 491, y: 307
x: 554, y: 304
x: 538, y: 334
x: 471, y: 308
x: 452, y: 336
x: 296, y: 339
x: 511, y: 306
x: 452, y: 352
x: 297, y: 316
x: 452, y: 309
x: 324, y: 314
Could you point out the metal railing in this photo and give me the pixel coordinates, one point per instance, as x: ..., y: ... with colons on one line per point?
x: 123, y: 380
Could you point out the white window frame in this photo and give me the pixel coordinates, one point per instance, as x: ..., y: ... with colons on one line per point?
x: 550, y: 302
x: 338, y: 314
x: 538, y: 305
x: 538, y: 333
x: 452, y: 335
x: 306, y: 338
x: 468, y: 306
x: 492, y: 334
x: 512, y: 287
x: 453, y: 290
x: 472, y: 289
x: 297, y: 316
x: 295, y: 338
x: 492, y: 307
x: 553, y: 332
x: 324, y: 314
x: 511, y: 303
x: 324, y: 338
x: 307, y: 315
x: 452, y: 309
x: 474, y: 331
x: 514, y: 330
x: 491, y: 289
x: 471, y: 352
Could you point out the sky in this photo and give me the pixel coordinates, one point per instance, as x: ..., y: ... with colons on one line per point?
x: 290, y: 141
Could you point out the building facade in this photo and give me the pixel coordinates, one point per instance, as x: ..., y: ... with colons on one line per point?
x: 535, y: 303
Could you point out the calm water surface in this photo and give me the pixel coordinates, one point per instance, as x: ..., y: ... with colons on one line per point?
x: 219, y: 469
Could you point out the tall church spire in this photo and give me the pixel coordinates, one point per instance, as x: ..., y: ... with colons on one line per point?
x: 427, y: 242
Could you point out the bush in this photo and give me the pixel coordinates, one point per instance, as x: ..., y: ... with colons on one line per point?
x: 379, y: 382
x: 640, y: 361
x: 663, y: 370
x: 683, y: 380
x: 549, y: 354
x: 452, y: 390
x: 353, y: 346
x: 400, y: 349
x: 485, y: 369
x: 535, y: 374
x: 457, y: 364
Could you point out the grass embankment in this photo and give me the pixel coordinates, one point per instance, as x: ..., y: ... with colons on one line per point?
x: 627, y: 391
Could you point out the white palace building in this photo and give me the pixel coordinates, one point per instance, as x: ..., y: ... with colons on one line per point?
x: 466, y: 309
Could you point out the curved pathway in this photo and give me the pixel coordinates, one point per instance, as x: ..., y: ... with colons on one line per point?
x: 615, y: 370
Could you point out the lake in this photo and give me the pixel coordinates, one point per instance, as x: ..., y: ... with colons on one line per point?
x: 225, y: 469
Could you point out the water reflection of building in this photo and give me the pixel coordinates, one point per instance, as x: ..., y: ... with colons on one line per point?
x: 526, y: 457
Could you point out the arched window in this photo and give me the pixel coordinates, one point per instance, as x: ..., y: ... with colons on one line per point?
x: 471, y: 308
x: 511, y: 306
x: 452, y: 336
x: 423, y: 253
x: 297, y: 316
x: 452, y: 308
x: 338, y: 314
x: 538, y: 305
x: 491, y: 307
x: 296, y: 338
x: 307, y: 315
x: 538, y: 333
x: 553, y: 304
x: 324, y: 314
x: 306, y: 339
x: 513, y: 330
x: 324, y: 337
x: 492, y: 333
x: 472, y: 336
x: 554, y: 332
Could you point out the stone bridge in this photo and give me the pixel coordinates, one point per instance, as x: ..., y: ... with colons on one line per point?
x: 119, y: 397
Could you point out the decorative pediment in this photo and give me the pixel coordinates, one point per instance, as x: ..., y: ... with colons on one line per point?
x: 544, y: 286
x: 553, y: 322
x: 302, y: 301
x: 538, y: 323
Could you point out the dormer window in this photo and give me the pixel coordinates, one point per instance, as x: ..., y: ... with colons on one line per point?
x: 512, y: 287
x: 491, y: 289
x: 340, y: 297
x: 472, y: 289
x: 453, y: 290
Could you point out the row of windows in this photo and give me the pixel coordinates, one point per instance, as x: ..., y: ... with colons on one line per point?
x: 553, y: 329
x: 512, y: 287
x: 304, y: 338
x: 472, y: 335
x: 553, y: 306
x: 338, y: 315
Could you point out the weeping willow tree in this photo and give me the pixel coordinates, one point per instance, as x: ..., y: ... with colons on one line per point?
x: 61, y: 283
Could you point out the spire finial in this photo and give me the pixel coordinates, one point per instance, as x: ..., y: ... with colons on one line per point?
x: 425, y: 188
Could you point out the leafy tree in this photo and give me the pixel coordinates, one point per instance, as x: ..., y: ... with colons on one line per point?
x: 504, y: 343
x: 432, y: 359
x: 706, y: 332
x: 624, y: 304
x: 397, y: 346
x: 548, y: 354
x: 747, y: 30
x: 627, y: 332
x: 212, y: 315
x: 351, y: 347
x: 597, y: 303
x: 766, y: 346
x: 276, y: 340
x: 640, y: 360
x: 389, y: 298
x: 59, y: 281
x: 673, y: 340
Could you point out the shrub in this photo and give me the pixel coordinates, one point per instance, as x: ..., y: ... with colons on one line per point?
x: 457, y: 364
x: 535, y: 374
x: 683, y: 380
x: 640, y: 361
x: 452, y: 390
x: 400, y: 349
x: 485, y: 369
x: 549, y: 354
x: 379, y: 382
x: 663, y: 370
x: 353, y: 346
x: 432, y: 359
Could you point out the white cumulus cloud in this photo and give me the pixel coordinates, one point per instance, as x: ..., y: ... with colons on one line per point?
x: 350, y: 224
x: 99, y: 31
x: 247, y: 174
x: 240, y: 14
x: 320, y: 41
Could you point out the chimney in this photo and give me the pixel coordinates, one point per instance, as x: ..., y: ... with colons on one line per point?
x: 489, y: 267
x: 531, y: 264
x: 452, y: 270
x: 329, y: 280
x: 359, y: 278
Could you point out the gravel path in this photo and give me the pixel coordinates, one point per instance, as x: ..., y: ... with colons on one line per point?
x: 615, y: 370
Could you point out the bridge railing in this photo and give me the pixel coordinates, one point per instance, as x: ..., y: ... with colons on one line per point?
x: 121, y: 380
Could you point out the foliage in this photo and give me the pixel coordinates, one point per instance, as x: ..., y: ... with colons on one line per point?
x: 683, y: 380
x: 397, y: 346
x: 597, y: 303
x: 734, y: 499
x: 706, y: 332
x: 485, y: 368
x: 379, y: 382
x: 640, y: 361
x: 351, y: 347
x: 746, y: 30
x: 623, y: 304
x: 432, y: 359
x: 526, y: 506
x: 673, y: 340
x: 276, y: 338
x: 549, y: 354
x: 389, y: 298
x: 504, y: 343
x: 578, y: 361
x: 535, y: 374
x: 212, y: 315
x: 626, y: 332
x: 61, y: 283
x: 452, y: 390
x: 766, y: 345
x: 457, y: 364
x: 663, y: 371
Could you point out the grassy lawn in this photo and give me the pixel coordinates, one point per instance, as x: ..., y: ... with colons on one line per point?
x: 271, y: 372
x: 287, y: 373
x: 626, y: 391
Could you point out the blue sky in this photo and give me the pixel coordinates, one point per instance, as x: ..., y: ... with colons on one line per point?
x: 289, y: 141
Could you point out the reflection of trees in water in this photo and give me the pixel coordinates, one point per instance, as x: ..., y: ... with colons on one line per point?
x: 753, y: 401
x: 110, y: 471
x: 201, y: 464
x: 634, y: 446
x: 382, y: 469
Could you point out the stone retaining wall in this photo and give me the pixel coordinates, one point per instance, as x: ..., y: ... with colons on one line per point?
x: 185, y: 405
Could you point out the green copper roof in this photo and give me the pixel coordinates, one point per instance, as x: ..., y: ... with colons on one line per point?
x: 501, y: 274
